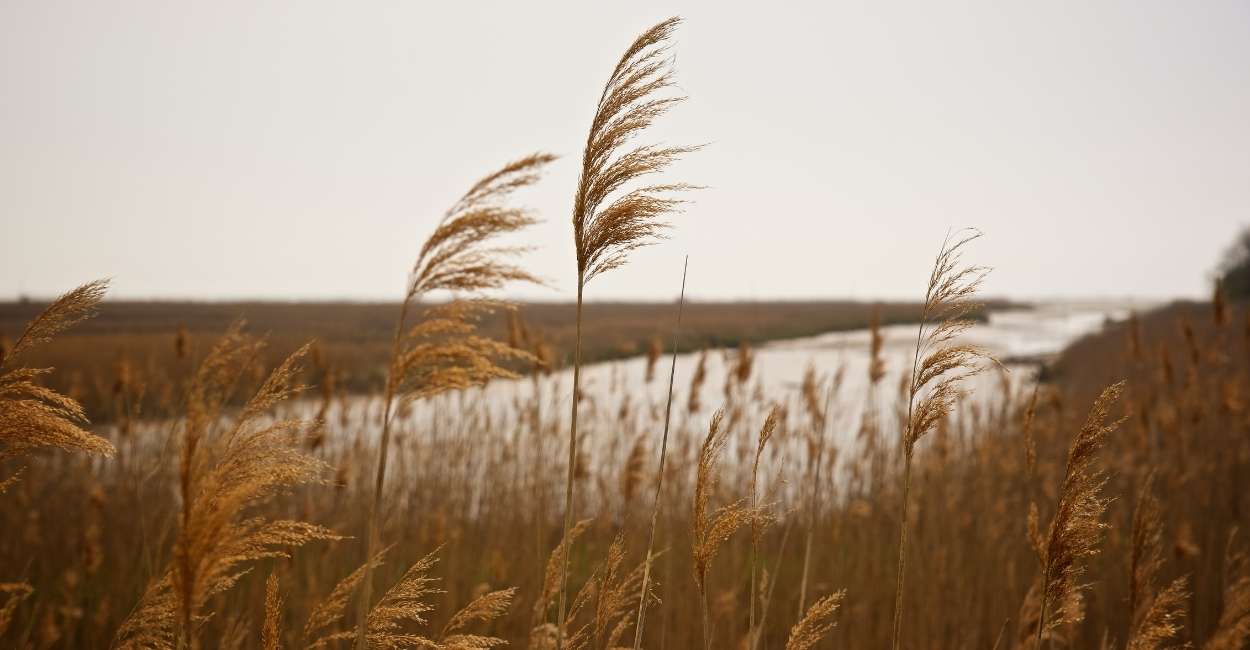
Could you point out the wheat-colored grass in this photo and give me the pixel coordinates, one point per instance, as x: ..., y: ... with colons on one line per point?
x: 1077, y: 527
x: 939, y: 367
x: 610, y: 220
x: 227, y: 469
x: 442, y: 352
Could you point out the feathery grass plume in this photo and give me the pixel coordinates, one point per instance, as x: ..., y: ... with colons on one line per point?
x: 227, y: 469
x: 757, y: 522
x: 406, y: 602
x: 616, y: 590
x: 1077, y: 527
x: 551, y: 575
x: 659, y: 477
x: 711, y: 528
x: 609, y: 594
x: 33, y: 416
x: 271, y: 632
x: 939, y: 367
x: 1155, y: 614
x: 609, y: 220
x: 655, y: 348
x: 441, y: 353
x: 485, y: 608
x: 693, y: 401
x: 14, y: 593
x: 818, y: 621
x: 334, y: 607
x: 1233, y: 629
x: 876, y: 365
x: 402, y: 603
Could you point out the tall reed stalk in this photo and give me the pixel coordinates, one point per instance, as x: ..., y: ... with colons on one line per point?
x: 939, y: 367
x: 710, y: 529
x: 609, y: 221
x: 659, y: 478
x: 443, y: 352
x: 813, y: 505
x: 1077, y: 528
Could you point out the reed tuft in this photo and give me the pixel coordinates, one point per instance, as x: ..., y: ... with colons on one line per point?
x: 939, y: 367
x: 818, y: 622
x: 226, y: 471
x: 711, y: 528
x: 610, y: 220
x: 1233, y: 629
x: 1077, y: 528
x: 33, y: 416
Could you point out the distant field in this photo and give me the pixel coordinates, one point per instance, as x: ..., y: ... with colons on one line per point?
x: 353, y: 339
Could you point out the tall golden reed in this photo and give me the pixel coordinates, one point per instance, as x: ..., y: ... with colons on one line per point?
x: 442, y: 352
x: 610, y: 221
x: 939, y: 367
x: 1156, y: 614
x: 227, y: 470
x: 33, y: 416
x: 1077, y: 527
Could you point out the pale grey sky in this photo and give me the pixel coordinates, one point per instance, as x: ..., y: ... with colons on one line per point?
x: 304, y: 149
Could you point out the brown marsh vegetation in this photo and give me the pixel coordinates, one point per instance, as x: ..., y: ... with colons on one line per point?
x: 1100, y: 508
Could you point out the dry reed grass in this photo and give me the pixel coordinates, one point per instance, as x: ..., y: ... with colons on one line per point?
x: 939, y: 367
x: 442, y: 352
x: 223, y: 487
x: 609, y: 221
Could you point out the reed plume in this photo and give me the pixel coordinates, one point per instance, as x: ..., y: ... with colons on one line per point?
x: 659, y: 477
x: 610, y: 221
x: 441, y: 352
x: 33, y: 416
x: 407, y: 602
x: 402, y: 603
x: 1155, y: 614
x: 271, y: 632
x: 818, y: 622
x: 226, y: 471
x: 758, y: 522
x: 1076, y: 530
x: 1232, y: 632
x: 333, y: 608
x: 608, y: 595
x: 711, y: 528
x: 551, y: 575
x: 14, y: 593
x: 485, y: 608
x: 616, y: 589
x: 939, y: 367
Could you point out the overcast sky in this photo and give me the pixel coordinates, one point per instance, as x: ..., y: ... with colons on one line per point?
x: 305, y: 149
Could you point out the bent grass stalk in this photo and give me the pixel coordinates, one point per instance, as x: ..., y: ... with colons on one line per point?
x: 442, y: 353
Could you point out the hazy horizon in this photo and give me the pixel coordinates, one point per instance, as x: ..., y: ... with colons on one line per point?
x: 233, y: 151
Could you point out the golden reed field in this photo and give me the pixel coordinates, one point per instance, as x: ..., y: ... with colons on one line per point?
x: 226, y: 498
